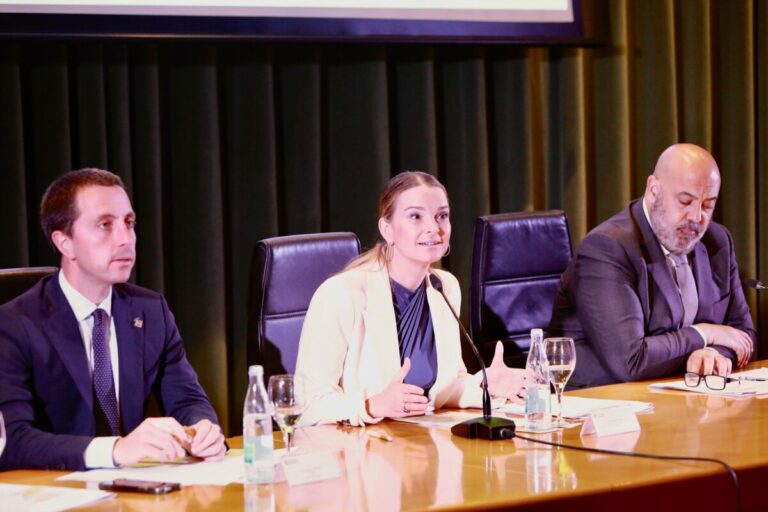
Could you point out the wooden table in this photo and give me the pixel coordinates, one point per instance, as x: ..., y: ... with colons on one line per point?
x: 428, y: 468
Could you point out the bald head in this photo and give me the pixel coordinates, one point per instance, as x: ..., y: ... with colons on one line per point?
x: 688, y: 161
x: 681, y: 195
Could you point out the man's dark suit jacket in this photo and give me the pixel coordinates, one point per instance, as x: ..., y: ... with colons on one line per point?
x: 619, y: 302
x: 46, y: 394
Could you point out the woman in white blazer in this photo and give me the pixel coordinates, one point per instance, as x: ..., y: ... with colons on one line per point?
x: 378, y: 341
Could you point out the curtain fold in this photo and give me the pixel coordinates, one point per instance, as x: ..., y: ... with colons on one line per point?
x: 413, y: 106
x: 609, y: 72
x: 222, y: 144
x: 148, y: 178
x: 299, y: 96
x: 356, y: 138
x: 195, y: 258
x: 15, y: 223
x: 464, y: 133
x: 760, y: 188
x: 251, y: 189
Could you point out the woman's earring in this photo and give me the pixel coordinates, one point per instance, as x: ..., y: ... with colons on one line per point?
x: 389, y: 251
x: 448, y: 251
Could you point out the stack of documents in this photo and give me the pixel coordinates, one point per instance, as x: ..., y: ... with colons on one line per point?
x: 733, y: 389
x: 41, y: 498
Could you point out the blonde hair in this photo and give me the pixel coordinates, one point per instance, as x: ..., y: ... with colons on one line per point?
x: 395, y: 186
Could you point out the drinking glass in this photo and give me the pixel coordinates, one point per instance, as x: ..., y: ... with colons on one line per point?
x: 561, y: 359
x: 287, y: 398
x: 2, y: 434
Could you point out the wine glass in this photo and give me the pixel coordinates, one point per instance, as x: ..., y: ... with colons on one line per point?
x: 2, y: 434
x: 561, y: 359
x: 287, y: 397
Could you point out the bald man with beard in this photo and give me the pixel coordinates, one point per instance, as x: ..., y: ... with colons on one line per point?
x: 625, y: 298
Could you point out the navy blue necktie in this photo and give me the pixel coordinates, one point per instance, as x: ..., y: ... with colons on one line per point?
x: 103, y: 381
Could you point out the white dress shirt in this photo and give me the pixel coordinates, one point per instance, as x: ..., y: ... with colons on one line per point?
x: 98, y: 454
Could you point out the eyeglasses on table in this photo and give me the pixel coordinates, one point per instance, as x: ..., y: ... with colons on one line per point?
x: 715, y: 382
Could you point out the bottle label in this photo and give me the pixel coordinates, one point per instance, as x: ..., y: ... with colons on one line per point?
x: 258, y: 455
x: 537, y: 407
x: 257, y: 448
x: 248, y: 450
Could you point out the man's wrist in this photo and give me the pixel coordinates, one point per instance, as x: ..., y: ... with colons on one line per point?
x: 703, y: 336
x: 114, y: 447
x: 100, y: 453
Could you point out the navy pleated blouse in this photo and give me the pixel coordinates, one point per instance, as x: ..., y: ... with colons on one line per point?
x: 415, y: 334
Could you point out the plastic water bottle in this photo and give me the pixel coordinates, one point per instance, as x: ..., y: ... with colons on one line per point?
x: 538, y: 411
x: 258, y: 445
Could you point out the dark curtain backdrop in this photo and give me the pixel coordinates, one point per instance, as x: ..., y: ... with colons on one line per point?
x: 223, y: 144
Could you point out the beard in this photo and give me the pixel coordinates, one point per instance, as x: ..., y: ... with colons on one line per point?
x: 679, y: 239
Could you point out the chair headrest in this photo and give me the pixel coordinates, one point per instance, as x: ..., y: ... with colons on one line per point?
x: 15, y: 281
x: 521, y: 244
x: 291, y: 268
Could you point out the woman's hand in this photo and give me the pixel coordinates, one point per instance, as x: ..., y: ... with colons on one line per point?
x: 503, y: 381
x: 398, y: 399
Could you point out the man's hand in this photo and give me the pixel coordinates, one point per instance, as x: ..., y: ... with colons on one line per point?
x: 708, y: 362
x: 398, y: 399
x: 503, y: 381
x: 208, y: 441
x: 725, y: 335
x: 155, y: 438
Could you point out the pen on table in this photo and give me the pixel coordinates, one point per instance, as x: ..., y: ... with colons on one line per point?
x: 379, y: 435
x: 751, y: 379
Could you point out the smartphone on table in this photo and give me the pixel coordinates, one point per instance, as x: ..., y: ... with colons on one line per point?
x: 128, y: 485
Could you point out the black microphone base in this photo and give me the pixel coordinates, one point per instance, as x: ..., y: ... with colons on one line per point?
x: 481, y: 428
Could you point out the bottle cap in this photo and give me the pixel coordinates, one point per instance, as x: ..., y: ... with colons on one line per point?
x: 536, y: 334
x: 255, y: 370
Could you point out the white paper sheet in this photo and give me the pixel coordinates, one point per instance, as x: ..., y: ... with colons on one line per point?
x: 578, y: 407
x: 227, y: 471
x: 41, y: 498
x: 440, y: 419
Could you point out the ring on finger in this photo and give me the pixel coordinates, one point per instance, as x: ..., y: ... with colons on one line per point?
x: 405, y: 408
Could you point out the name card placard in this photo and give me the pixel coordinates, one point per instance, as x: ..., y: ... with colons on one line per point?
x: 304, y: 468
x: 611, y: 421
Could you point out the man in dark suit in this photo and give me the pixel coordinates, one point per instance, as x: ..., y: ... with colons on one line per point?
x: 655, y: 289
x: 82, y: 350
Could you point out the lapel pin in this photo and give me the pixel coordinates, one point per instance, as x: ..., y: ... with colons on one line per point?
x: 138, y: 323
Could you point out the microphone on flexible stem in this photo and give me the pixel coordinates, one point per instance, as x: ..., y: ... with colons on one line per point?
x: 754, y: 283
x: 487, y: 427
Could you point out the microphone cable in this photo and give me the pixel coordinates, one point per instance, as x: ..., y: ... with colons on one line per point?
x: 508, y: 433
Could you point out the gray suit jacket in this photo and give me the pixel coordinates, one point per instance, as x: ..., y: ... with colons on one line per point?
x: 619, y: 302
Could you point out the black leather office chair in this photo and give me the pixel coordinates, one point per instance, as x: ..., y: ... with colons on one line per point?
x: 15, y: 281
x: 285, y: 273
x: 516, y: 265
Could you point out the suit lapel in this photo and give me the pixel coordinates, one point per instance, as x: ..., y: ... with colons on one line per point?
x: 657, y: 264
x: 129, y: 327
x: 705, y: 283
x: 65, y: 336
x: 380, y: 324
